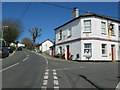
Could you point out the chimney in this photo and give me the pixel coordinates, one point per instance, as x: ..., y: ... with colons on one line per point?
x: 75, y: 13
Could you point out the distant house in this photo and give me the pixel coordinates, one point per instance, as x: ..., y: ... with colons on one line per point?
x: 44, y: 46
x: 89, y: 37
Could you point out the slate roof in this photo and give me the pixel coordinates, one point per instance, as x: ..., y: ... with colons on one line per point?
x: 89, y: 14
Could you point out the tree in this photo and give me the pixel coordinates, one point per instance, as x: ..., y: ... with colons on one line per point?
x: 35, y: 33
x: 27, y: 42
x: 12, y: 28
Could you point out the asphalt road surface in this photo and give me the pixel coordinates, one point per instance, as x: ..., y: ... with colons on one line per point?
x: 26, y: 69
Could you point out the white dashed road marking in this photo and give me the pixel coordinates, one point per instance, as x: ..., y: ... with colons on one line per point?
x: 55, y: 77
x: 45, y: 77
x: 47, y: 70
x: 54, y: 73
x: 45, y: 82
x: 46, y: 73
x: 9, y: 67
x: 56, y: 88
x: 56, y: 82
x: 54, y: 70
x: 118, y: 86
x: 25, y: 59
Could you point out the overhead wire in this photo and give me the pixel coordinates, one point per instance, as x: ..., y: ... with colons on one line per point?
x: 55, y: 5
x: 25, y: 11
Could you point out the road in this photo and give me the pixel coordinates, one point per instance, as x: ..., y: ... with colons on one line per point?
x: 26, y: 69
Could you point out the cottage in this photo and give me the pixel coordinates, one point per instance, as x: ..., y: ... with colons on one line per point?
x: 89, y: 37
x: 44, y: 46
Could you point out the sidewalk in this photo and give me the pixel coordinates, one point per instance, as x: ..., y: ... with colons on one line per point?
x: 53, y: 58
x: 50, y: 57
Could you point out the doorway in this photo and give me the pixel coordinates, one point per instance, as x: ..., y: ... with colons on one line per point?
x: 68, y: 53
x: 113, y: 52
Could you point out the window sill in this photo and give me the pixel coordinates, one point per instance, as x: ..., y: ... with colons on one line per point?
x: 68, y: 36
x: 87, y: 32
x: 104, y: 33
x: 104, y: 55
x: 113, y: 35
x: 87, y: 55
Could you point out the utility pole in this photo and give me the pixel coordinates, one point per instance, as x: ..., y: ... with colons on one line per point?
x: 2, y: 32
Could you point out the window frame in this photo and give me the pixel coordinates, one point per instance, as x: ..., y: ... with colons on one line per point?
x: 113, y: 30
x: 60, y: 35
x: 103, y: 32
x: 105, y: 49
x: 86, y: 26
x: 89, y: 49
x: 69, y: 33
x: 119, y: 31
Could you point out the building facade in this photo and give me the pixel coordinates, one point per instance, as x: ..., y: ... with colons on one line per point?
x: 45, y: 46
x: 89, y: 37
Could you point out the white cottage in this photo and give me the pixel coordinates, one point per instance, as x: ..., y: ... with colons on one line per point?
x: 89, y: 37
x: 45, y: 46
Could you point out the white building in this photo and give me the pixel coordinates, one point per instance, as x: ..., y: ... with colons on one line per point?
x: 89, y: 37
x: 45, y: 46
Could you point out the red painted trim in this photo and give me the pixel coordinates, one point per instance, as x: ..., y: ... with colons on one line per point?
x: 91, y: 38
x: 112, y: 50
x: 52, y: 51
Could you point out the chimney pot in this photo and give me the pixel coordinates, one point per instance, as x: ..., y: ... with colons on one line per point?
x: 75, y: 13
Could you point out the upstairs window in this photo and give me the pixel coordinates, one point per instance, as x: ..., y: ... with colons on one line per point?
x: 103, y: 27
x: 69, y: 32
x: 104, y: 49
x: 112, y: 28
x: 60, y: 35
x: 87, y: 25
x: 119, y: 31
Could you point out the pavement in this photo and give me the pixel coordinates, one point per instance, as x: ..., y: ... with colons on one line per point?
x: 26, y: 69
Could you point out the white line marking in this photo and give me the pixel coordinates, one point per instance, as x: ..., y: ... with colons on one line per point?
x: 54, y: 73
x: 56, y: 82
x: 69, y: 68
x: 47, y: 70
x: 25, y: 59
x: 118, y: 86
x: 25, y: 53
x: 45, y: 77
x: 9, y: 67
x: 46, y: 73
x: 54, y: 70
x: 45, y: 82
x: 55, y: 77
x: 43, y: 87
x: 56, y: 87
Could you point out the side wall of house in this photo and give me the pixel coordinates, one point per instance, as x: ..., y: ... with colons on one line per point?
x: 46, y: 45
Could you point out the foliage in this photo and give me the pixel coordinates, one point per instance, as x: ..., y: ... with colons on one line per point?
x: 12, y: 28
x: 28, y: 43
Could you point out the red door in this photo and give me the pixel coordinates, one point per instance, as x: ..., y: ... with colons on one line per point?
x: 52, y: 51
x: 113, y: 52
x: 67, y: 52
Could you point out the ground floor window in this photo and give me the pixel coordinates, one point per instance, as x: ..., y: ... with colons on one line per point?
x: 60, y: 49
x: 104, y: 49
x: 87, y: 49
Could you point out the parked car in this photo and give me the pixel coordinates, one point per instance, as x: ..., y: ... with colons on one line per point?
x: 19, y: 49
x: 4, y: 52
